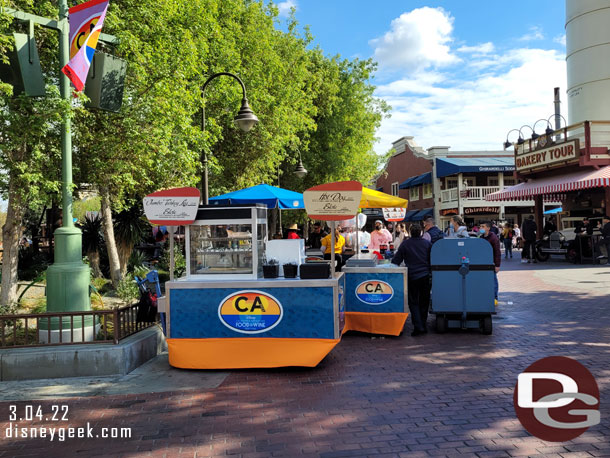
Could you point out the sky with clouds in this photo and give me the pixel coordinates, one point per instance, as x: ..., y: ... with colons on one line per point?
x: 458, y: 73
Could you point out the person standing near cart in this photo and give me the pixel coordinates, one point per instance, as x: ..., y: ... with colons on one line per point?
x: 431, y: 232
x: 415, y: 253
x: 380, y: 236
x: 605, y: 240
x: 528, y: 231
x: 487, y: 234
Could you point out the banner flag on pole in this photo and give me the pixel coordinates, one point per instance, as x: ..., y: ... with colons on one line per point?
x: 86, y: 21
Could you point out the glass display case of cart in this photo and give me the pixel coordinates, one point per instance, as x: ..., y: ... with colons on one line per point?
x: 227, y: 242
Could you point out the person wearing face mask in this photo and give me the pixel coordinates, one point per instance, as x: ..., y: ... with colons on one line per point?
x: 457, y: 228
x: 380, y: 236
x: 487, y: 234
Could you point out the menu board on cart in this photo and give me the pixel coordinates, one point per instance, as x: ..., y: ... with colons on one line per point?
x: 172, y: 207
x: 394, y: 214
x: 333, y: 201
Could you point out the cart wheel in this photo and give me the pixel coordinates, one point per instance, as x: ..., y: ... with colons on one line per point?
x: 441, y: 324
x: 486, y: 325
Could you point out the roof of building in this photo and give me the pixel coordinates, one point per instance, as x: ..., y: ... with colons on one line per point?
x: 424, y: 178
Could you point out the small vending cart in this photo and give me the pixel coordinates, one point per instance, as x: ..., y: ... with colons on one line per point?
x: 224, y: 315
x: 376, y: 293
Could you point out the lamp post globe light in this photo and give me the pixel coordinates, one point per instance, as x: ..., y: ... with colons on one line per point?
x: 245, y: 120
x: 521, y: 140
x: 299, y: 170
x: 508, y: 143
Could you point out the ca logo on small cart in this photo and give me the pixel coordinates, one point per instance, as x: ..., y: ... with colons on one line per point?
x: 374, y: 292
x: 557, y: 399
x: 250, y: 312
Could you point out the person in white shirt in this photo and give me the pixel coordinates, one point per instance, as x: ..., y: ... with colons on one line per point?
x: 400, y: 235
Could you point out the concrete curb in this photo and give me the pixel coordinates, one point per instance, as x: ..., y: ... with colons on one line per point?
x: 82, y: 360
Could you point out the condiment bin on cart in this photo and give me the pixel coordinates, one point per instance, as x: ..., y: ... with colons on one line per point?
x: 462, y: 283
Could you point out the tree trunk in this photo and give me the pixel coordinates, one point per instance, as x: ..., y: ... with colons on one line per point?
x: 94, y: 262
x: 11, y: 233
x: 125, y: 250
x: 113, y: 255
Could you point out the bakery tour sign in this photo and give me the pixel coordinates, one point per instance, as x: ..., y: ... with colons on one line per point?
x: 545, y: 158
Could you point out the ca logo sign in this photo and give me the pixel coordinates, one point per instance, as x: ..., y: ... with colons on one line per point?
x: 557, y: 399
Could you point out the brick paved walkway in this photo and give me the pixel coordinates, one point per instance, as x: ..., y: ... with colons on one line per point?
x: 435, y: 395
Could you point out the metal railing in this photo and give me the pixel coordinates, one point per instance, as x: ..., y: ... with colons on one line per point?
x: 70, y: 328
x: 449, y: 195
x: 479, y: 192
x: 470, y: 193
x: 598, y: 135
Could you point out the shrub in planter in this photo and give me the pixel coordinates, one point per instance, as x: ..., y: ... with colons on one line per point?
x: 290, y: 270
x: 271, y: 268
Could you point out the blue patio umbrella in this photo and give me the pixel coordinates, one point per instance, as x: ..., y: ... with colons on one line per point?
x: 262, y: 194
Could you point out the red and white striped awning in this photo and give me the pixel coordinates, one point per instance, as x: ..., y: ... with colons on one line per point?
x: 552, y: 186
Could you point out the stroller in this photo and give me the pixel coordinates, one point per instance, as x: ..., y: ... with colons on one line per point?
x: 150, y: 290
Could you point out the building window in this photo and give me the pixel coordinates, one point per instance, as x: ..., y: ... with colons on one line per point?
x: 414, y: 193
x: 509, y: 181
x: 428, y: 191
x: 493, y: 181
x: 395, y: 188
x: 451, y: 183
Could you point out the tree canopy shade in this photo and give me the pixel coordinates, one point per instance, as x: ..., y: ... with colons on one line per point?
x: 309, y: 104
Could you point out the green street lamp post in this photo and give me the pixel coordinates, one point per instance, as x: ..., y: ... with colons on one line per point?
x: 68, y: 277
x: 245, y: 120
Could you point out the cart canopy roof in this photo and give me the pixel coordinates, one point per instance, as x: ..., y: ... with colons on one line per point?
x: 377, y: 199
x: 262, y: 194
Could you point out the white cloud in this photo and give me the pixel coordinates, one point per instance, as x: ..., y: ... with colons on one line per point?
x: 417, y: 40
x: 483, y: 48
x: 535, y: 33
x: 561, y: 39
x: 470, y: 106
x: 285, y: 7
x: 475, y: 112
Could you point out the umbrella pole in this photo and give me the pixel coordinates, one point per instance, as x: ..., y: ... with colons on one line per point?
x: 333, y: 240
x: 357, y: 236
x: 279, y: 211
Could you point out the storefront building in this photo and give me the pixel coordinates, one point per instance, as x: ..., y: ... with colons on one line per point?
x: 572, y: 164
x: 452, y: 183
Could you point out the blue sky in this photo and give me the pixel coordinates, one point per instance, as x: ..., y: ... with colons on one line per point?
x: 457, y: 73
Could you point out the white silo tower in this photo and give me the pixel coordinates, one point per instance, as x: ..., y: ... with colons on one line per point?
x: 588, y: 60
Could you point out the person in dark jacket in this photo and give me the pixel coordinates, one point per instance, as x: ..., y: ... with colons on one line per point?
x: 528, y: 232
x: 431, y: 232
x: 550, y: 226
x: 315, y: 238
x: 485, y: 231
x: 415, y: 253
x: 494, y: 228
x: 605, y: 240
